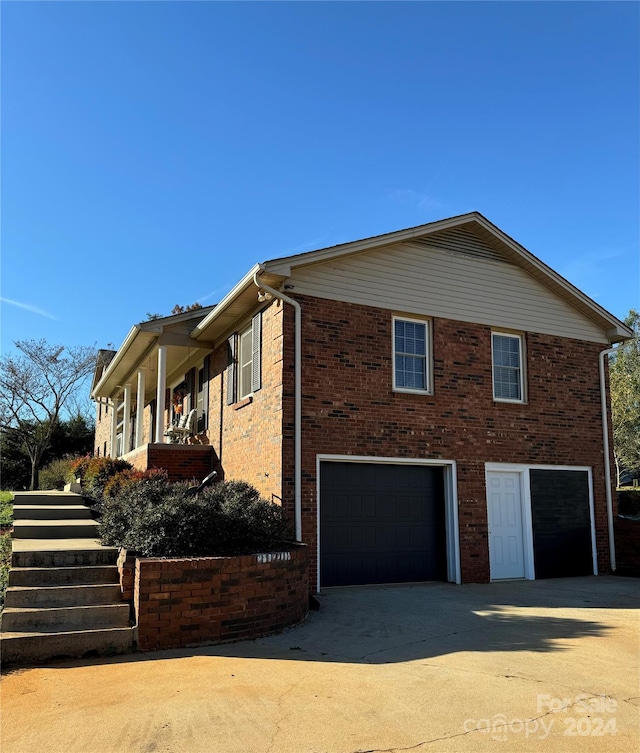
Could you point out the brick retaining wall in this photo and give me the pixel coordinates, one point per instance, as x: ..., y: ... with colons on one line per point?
x: 205, y: 600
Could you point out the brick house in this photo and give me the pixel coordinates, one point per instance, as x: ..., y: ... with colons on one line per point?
x: 429, y: 404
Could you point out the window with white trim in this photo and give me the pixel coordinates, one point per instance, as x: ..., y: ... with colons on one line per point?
x: 508, y: 370
x: 411, y: 355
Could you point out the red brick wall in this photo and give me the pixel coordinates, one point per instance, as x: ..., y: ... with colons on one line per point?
x: 247, y: 436
x: 103, y: 430
x: 349, y: 408
x: 193, y: 602
x: 182, y: 462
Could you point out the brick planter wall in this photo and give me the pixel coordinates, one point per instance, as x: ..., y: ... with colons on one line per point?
x: 627, y: 536
x: 205, y: 600
x: 182, y: 462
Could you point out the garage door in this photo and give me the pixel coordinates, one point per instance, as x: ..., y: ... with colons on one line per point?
x: 561, y: 521
x: 381, y: 523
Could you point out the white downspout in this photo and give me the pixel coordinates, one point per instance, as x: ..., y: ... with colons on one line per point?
x: 297, y: 399
x: 607, y: 463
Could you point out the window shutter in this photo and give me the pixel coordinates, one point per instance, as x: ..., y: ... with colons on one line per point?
x: 231, y: 370
x: 191, y: 387
x: 256, y: 351
x: 205, y: 389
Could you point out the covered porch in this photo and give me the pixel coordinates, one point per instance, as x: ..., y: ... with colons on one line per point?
x: 156, y: 381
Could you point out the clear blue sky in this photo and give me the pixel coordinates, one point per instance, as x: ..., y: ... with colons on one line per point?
x: 153, y: 152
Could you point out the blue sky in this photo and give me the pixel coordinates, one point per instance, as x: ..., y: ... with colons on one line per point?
x: 153, y: 152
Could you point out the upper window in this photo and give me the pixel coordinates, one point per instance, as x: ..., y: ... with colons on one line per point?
x: 410, y: 355
x: 508, y: 376
x: 245, y: 363
x: 244, y: 372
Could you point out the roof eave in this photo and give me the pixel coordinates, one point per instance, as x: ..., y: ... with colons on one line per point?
x: 128, y: 342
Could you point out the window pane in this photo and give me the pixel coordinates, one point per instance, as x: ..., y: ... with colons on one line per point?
x: 410, y: 372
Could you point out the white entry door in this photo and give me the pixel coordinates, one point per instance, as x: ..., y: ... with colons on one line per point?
x: 506, y: 541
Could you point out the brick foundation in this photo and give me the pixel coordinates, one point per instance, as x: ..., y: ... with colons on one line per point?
x: 209, y: 600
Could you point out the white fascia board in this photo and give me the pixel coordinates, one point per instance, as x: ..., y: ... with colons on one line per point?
x: 231, y: 296
x: 128, y: 342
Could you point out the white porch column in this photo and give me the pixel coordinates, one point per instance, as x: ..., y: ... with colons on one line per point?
x: 126, y: 420
x: 160, y: 392
x: 114, y: 426
x: 140, y: 409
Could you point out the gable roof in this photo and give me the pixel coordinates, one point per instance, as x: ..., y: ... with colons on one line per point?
x: 471, y: 233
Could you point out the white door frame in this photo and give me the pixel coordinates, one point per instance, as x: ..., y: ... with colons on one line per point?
x: 450, y: 498
x: 525, y: 500
x: 525, y: 514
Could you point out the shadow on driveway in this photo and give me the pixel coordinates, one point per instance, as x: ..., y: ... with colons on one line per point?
x: 403, y: 623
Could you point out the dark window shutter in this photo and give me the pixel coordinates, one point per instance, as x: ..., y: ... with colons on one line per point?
x: 191, y: 387
x: 256, y: 352
x: 231, y: 370
x: 205, y: 390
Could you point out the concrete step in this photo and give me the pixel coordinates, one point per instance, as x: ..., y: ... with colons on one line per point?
x: 27, y: 648
x: 51, y: 512
x: 61, y: 553
x: 62, y: 596
x: 63, y: 576
x: 55, y: 529
x: 46, y: 498
x: 64, y: 619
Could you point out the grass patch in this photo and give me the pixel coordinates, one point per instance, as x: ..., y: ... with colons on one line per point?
x: 5, y: 564
x: 6, y: 509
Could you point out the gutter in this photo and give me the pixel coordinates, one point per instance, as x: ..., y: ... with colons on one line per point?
x: 297, y: 397
x: 607, y: 459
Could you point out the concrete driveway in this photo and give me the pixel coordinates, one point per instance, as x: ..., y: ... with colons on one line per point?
x: 518, y: 666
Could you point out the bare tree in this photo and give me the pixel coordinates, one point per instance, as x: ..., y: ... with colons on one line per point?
x: 38, y: 387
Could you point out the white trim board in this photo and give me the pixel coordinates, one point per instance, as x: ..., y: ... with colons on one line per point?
x: 450, y: 496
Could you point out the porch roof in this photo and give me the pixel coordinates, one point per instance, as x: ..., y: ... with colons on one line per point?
x: 139, y: 351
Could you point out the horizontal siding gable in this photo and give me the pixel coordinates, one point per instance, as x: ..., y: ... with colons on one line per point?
x: 472, y: 285
x: 461, y: 240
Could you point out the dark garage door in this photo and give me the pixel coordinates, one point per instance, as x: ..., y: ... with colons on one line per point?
x: 381, y: 523
x: 561, y: 521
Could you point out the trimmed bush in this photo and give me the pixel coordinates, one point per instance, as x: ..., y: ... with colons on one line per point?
x: 95, y: 474
x: 629, y: 502
x: 129, y: 477
x: 158, y: 519
x: 56, y: 474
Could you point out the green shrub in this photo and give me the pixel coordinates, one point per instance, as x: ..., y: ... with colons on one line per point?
x: 6, y: 509
x: 56, y: 474
x: 159, y: 519
x: 131, y: 476
x: 95, y: 473
x: 5, y: 564
x: 629, y: 501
